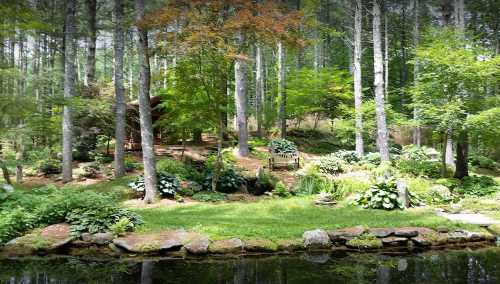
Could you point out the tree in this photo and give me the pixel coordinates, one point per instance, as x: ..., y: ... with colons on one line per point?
x: 259, y: 88
x: 240, y: 93
x: 69, y: 90
x: 281, y: 89
x: 358, y: 87
x: 382, y: 136
x: 417, y: 133
x: 147, y: 137
x: 91, y: 41
x: 121, y: 107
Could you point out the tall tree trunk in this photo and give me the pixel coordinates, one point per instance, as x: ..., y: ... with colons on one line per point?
x: 121, y: 107
x: 382, y: 136
x: 386, y: 57
x: 281, y: 88
x: 69, y: 89
x: 450, y: 161
x: 91, y: 40
x: 417, y: 133
x: 462, y: 169
x: 259, y: 89
x: 358, y: 88
x: 240, y: 79
x: 5, y: 172
x: 147, y: 136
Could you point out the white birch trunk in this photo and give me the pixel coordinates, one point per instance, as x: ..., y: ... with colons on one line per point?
x: 147, y: 135
x: 259, y: 89
x: 358, y: 88
x: 69, y: 91
x: 417, y: 133
x: 281, y: 88
x: 382, y: 135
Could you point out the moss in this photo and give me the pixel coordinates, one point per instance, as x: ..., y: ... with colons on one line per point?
x: 152, y: 246
x: 365, y: 241
x: 495, y: 228
x: 261, y: 245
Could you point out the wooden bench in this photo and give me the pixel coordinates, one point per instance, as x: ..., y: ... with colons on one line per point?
x: 283, y: 159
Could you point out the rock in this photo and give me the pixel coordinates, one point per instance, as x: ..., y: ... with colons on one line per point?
x: 407, y: 232
x: 394, y: 241
x: 316, y: 239
x: 99, y: 238
x: 260, y: 245
x: 421, y: 241
x: 226, y: 246
x: 346, y: 234
x: 49, y: 238
x: 442, y: 229
x: 197, y: 245
x: 325, y: 199
x: 441, y: 190
x: 7, y: 188
x: 475, y: 236
x: 153, y: 242
x: 290, y: 245
x: 403, y: 194
x: 457, y: 237
x: 380, y: 232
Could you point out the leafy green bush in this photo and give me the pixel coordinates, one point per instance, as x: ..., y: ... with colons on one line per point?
x: 21, y: 211
x: 209, y: 196
x: 168, y: 184
x: 91, y: 170
x: 482, y: 162
x: 99, y: 218
x: 122, y: 226
x: 49, y: 166
x: 331, y: 164
x: 229, y: 181
x: 311, y: 182
x: 281, y: 190
x: 420, y: 168
x: 477, y: 186
x: 14, y: 223
x: 346, y: 155
x: 131, y: 164
x: 371, y: 158
x: 282, y: 146
x: 178, y: 168
x: 382, y: 195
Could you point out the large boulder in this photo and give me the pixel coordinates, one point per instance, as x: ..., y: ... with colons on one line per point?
x: 153, y: 242
x: 343, y: 235
x: 49, y: 238
x: 98, y: 239
x: 316, y: 239
x: 197, y: 244
x: 226, y: 246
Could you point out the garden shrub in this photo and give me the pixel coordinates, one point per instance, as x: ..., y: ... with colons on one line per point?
x: 49, y: 166
x: 121, y: 227
x: 428, y: 169
x: 168, y: 184
x: 346, y: 155
x: 281, y: 190
x: 228, y: 159
x: 229, y: 181
x: 206, y: 196
x: 330, y: 164
x: 14, y: 222
x: 477, y: 186
x: 282, y: 146
x: 91, y: 170
x: 311, y: 182
x: 381, y: 195
x: 371, y: 158
x: 174, y: 167
x: 100, y: 218
x: 131, y: 164
x: 482, y: 162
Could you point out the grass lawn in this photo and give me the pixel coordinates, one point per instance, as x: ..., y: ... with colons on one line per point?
x: 277, y: 219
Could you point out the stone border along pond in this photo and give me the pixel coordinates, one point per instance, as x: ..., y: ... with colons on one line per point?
x: 57, y: 239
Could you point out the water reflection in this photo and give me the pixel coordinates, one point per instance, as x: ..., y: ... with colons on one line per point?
x: 437, y: 267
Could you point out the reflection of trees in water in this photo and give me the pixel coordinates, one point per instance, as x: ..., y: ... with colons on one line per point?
x: 436, y: 267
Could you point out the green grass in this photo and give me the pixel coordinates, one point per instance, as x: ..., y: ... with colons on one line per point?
x: 279, y: 219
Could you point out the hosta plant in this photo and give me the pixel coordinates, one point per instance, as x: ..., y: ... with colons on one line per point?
x: 229, y: 181
x: 168, y: 184
x: 346, y: 155
x: 331, y: 165
x: 283, y: 146
x: 381, y: 195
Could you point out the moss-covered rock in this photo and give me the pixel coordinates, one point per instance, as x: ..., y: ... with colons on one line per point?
x: 290, y: 245
x: 153, y: 242
x: 365, y: 242
x: 495, y: 229
x: 226, y: 246
x: 49, y: 238
x: 260, y: 245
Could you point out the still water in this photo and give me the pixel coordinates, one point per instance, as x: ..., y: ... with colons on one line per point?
x: 480, y: 266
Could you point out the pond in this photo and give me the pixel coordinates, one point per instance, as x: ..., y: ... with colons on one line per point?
x: 480, y: 266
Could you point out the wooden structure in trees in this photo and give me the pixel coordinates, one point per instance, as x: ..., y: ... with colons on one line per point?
x: 283, y: 159
x: 133, y: 136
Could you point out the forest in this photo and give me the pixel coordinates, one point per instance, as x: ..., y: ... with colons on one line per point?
x: 249, y: 125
